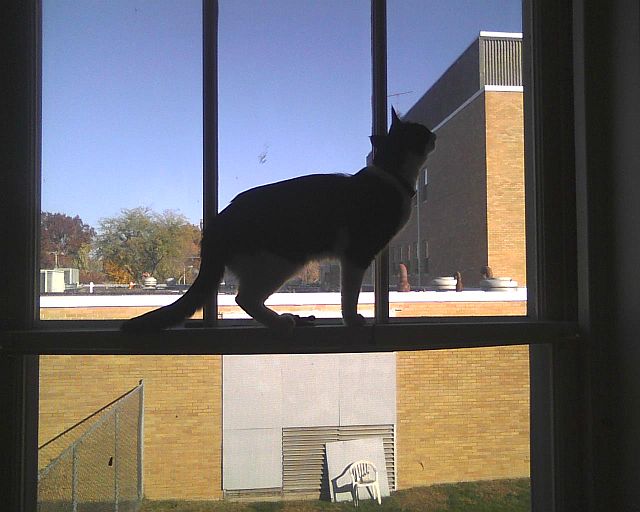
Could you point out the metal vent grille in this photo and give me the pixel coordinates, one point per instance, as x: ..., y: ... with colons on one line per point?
x: 304, y: 468
x: 502, y: 61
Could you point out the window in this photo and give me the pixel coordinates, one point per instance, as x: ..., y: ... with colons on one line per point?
x: 425, y: 255
x: 425, y: 265
x: 475, y: 215
x: 425, y: 183
x: 122, y: 197
x: 135, y: 247
x: 22, y: 369
x: 268, y: 90
x: 121, y: 254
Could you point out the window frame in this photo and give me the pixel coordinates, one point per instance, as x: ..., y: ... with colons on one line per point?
x: 550, y: 328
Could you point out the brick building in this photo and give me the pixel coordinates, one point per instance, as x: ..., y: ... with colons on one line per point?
x: 469, y: 209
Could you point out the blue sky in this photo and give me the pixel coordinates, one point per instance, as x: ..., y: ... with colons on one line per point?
x: 122, y: 102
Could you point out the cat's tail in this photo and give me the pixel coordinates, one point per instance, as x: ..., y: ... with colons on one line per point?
x: 211, y: 272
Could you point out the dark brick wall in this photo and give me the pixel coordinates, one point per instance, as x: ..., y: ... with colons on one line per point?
x: 453, y: 218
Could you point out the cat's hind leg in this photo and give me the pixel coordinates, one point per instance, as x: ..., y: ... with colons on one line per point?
x: 253, y: 304
x: 259, y: 277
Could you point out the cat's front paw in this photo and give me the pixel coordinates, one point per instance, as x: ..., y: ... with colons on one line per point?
x: 304, y: 321
x: 300, y: 321
x: 354, y: 321
x: 284, y: 324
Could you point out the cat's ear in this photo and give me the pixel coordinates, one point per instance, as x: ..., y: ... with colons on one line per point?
x: 394, y: 117
x: 377, y: 141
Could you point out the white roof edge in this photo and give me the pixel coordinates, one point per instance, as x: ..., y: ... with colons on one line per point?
x: 504, y: 88
x: 506, y: 35
x: 283, y: 299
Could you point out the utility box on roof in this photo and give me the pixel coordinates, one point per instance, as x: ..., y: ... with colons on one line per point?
x: 52, y: 281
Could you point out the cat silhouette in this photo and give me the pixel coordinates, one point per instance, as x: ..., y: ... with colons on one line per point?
x: 268, y: 233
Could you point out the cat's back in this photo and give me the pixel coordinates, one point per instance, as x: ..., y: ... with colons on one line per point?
x: 297, y: 214
x: 287, y: 194
x: 309, y: 200
x: 307, y: 215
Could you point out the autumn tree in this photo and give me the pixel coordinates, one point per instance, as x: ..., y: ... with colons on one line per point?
x: 140, y: 240
x: 64, y: 240
x: 310, y: 274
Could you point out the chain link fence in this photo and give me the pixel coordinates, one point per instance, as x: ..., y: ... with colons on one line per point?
x: 96, y: 465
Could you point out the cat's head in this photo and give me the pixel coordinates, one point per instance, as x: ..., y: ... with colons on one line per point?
x: 405, y: 139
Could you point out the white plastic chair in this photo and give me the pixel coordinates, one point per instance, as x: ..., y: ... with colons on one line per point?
x: 364, y: 474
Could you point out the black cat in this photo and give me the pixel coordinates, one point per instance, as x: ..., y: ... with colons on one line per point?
x: 268, y: 233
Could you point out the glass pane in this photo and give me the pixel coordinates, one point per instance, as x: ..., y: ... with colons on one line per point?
x: 439, y: 426
x: 294, y: 99
x: 121, y: 155
x: 450, y: 70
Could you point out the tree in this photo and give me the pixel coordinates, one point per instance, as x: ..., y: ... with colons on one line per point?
x: 140, y: 240
x: 310, y: 274
x: 64, y: 240
x: 91, y: 268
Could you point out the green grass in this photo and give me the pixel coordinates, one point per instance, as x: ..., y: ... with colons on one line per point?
x: 488, y: 496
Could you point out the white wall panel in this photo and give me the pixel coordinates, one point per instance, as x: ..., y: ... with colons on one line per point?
x: 251, y: 392
x: 252, y: 459
x: 367, y: 389
x: 311, y: 390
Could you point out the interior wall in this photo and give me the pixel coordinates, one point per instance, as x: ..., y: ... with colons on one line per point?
x: 607, y: 139
x: 624, y: 158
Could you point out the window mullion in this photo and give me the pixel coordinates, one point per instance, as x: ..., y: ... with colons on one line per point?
x: 379, y: 113
x: 210, y: 130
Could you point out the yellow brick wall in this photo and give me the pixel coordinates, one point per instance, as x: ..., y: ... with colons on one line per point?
x: 183, y: 413
x: 462, y: 415
x: 434, y: 309
x: 505, y: 185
